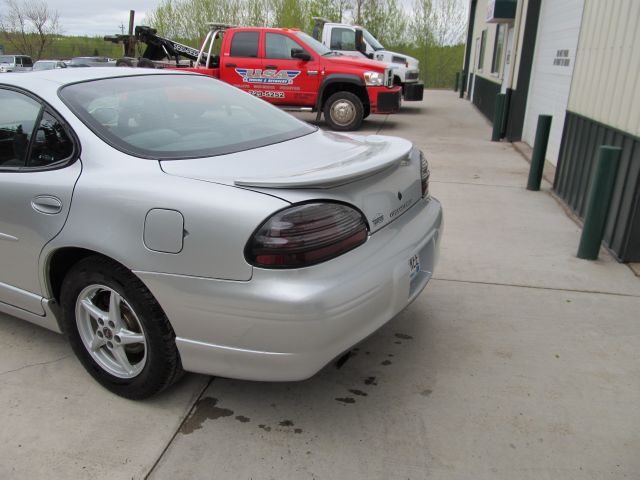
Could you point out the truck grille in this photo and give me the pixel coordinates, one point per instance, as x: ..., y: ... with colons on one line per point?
x: 412, y: 75
x: 388, y: 77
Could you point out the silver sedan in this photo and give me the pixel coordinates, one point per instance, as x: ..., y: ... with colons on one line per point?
x: 168, y: 222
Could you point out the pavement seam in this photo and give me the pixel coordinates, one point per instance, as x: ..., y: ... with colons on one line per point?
x: 478, y: 184
x: 175, y: 434
x: 34, y: 365
x: 572, y: 290
x: 382, y: 124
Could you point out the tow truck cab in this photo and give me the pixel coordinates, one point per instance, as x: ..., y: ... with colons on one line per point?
x: 359, y: 42
x: 291, y: 69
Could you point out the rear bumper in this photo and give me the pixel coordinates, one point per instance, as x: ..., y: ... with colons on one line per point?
x: 384, y: 100
x: 413, y: 92
x: 285, y: 325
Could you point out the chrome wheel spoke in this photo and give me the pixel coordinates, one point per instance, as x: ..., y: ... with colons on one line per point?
x: 127, y: 337
x: 96, y: 343
x: 114, y: 309
x: 94, y: 311
x: 120, y: 356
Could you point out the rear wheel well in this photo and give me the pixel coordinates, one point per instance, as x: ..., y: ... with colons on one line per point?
x: 358, y: 90
x: 61, y: 262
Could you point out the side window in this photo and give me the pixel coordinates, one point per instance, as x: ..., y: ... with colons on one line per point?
x: 26, y: 62
x: 279, y: 46
x: 18, y: 117
x: 245, y: 44
x: 483, y: 43
x: 51, y: 143
x: 343, y: 39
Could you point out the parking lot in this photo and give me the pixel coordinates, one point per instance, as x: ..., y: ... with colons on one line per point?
x: 518, y: 361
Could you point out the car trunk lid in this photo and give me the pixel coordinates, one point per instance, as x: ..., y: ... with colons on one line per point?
x: 378, y: 175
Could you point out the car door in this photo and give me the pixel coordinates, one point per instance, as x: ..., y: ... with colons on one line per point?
x: 289, y: 80
x: 241, y: 64
x: 37, y: 177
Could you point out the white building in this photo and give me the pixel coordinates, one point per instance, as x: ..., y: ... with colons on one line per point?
x: 579, y: 61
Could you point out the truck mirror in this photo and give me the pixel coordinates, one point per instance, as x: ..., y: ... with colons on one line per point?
x: 300, y: 54
x: 360, y: 45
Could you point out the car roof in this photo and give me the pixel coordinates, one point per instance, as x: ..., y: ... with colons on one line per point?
x: 65, y: 76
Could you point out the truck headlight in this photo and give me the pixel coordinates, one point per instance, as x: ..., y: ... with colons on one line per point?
x: 374, y: 79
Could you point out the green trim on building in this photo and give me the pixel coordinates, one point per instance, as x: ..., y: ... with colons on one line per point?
x: 581, y: 139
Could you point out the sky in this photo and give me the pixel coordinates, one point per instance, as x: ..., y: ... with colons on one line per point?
x: 102, y: 17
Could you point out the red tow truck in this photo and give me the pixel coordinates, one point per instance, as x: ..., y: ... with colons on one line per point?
x: 285, y: 67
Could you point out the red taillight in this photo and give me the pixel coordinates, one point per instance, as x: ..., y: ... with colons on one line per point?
x: 305, y: 235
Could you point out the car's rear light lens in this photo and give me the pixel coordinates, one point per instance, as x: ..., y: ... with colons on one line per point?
x: 305, y: 235
x: 424, y: 175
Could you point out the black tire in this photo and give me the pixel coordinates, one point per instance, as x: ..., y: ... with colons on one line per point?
x: 353, y: 105
x: 146, y: 63
x: 124, y: 62
x: 162, y: 366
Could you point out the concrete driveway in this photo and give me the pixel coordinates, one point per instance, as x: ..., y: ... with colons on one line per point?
x: 518, y: 361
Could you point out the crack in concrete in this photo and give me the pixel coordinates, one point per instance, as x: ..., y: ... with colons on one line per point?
x: 382, y: 125
x: 34, y: 365
x: 536, y: 287
x: 188, y: 413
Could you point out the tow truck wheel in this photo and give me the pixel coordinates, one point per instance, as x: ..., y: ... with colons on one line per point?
x: 344, y: 111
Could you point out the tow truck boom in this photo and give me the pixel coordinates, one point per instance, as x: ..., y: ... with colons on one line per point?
x: 158, y: 48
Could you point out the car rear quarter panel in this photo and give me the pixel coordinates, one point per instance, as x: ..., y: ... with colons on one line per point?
x: 115, y: 193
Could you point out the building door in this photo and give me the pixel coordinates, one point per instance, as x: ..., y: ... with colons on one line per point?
x: 554, y: 57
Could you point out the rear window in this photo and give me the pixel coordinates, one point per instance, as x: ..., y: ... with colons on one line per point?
x: 245, y: 44
x: 178, y: 116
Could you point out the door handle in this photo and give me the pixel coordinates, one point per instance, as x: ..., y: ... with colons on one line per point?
x: 230, y: 65
x: 271, y: 67
x: 47, y: 204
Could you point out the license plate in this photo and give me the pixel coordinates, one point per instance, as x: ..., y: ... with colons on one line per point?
x: 414, y: 266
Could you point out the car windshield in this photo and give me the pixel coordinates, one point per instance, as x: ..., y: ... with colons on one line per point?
x: 166, y: 117
x: 6, y: 59
x: 371, y: 40
x: 313, y: 44
x: 44, y: 65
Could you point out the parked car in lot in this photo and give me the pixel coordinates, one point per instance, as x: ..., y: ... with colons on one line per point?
x: 92, y: 62
x: 15, y: 63
x: 49, y: 65
x: 166, y: 221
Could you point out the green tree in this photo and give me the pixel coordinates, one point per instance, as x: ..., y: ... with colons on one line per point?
x: 290, y: 13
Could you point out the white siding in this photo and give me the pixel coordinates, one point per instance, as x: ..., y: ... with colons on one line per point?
x: 606, y: 83
x: 558, y: 30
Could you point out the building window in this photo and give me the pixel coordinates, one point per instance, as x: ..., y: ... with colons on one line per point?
x: 498, y: 48
x: 483, y: 43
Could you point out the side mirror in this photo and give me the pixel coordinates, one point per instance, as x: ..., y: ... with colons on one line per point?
x: 360, y: 45
x: 300, y: 54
